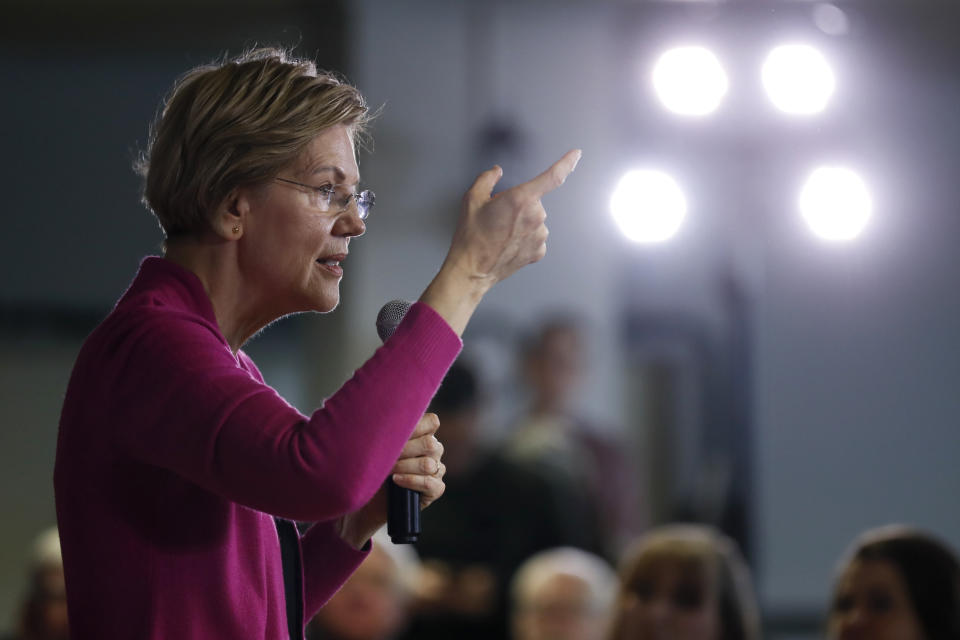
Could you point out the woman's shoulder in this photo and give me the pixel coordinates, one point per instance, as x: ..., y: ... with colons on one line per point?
x: 147, y: 328
x: 163, y: 303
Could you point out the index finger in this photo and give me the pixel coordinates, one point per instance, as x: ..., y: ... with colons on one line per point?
x: 555, y: 175
x: 428, y: 424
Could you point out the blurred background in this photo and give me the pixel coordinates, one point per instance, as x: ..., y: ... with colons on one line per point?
x: 789, y: 382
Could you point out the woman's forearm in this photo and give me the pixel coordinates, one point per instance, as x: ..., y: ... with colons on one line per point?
x: 454, y: 294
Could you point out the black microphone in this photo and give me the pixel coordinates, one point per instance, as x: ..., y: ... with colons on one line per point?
x: 403, y: 505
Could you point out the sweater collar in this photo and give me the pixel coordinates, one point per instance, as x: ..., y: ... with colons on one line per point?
x: 181, y: 287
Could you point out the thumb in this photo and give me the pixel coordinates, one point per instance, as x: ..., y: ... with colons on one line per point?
x: 484, y: 184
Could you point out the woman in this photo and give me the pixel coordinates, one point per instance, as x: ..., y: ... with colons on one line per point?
x: 173, y: 455
x: 897, y: 583
x: 685, y: 582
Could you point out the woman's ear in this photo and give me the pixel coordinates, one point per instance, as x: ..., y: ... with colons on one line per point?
x: 228, y: 222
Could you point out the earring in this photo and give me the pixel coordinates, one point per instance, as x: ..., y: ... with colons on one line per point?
x: 236, y: 228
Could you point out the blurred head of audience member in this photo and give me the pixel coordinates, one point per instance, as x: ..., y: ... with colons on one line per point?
x: 553, y: 365
x: 896, y: 583
x: 373, y: 603
x: 458, y: 405
x: 562, y: 594
x: 43, y: 614
x: 685, y: 582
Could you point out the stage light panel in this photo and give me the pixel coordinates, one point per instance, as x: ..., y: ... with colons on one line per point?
x: 798, y: 79
x: 690, y: 81
x: 648, y: 206
x: 835, y: 203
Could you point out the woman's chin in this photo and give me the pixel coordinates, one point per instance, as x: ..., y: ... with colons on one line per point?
x: 327, y: 304
x: 312, y: 304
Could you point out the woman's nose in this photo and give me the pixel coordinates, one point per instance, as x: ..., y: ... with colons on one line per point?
x: 658, y: 609
x: 853, y: 619
x: 348, y: 222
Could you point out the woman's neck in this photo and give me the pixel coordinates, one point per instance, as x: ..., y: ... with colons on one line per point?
x: 214, y: 261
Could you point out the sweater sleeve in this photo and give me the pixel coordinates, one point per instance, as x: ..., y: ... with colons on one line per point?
x: 327, y: 563
x: 186, y: 404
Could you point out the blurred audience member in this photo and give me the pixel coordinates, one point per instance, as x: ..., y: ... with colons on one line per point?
x: 373, y: 603
x: 553, y: 438
x: 562, y: 594
x: 43, y: 614
x: 896, y: 583
x: 685, y: 582
x: 494, y: 515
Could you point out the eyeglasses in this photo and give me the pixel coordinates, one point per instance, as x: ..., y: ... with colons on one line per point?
x: 326, y: 198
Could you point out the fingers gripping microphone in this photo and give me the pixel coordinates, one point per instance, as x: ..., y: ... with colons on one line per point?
x: 403, y: 505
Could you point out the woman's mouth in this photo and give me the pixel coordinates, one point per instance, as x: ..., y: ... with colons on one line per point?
x: 331, y: 264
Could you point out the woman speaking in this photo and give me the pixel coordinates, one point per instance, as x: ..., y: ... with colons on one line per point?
x: 178, y: 469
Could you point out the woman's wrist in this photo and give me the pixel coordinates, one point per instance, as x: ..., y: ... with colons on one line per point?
x: 351, y: 530
x: 454, y: 294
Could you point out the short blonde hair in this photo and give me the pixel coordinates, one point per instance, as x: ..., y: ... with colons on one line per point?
x: 234, y: 123
x: 711, y: 554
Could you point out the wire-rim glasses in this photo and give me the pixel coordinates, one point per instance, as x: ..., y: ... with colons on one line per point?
x: 325, y: 196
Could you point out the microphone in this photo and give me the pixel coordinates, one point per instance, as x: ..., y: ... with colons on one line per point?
x: 403, y: 505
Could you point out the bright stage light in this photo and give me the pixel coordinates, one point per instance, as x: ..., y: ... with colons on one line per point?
x: 648, y: 206
x: 798, y: 79
x: 835, y: 203
x: 689, y: 81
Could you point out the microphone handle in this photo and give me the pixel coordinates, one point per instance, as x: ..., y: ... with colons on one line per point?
x: 403, y: 514
x: 403, y: 505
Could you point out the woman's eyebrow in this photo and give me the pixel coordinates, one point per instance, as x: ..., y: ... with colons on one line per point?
x: 340, y: 176
x: 337, y: 171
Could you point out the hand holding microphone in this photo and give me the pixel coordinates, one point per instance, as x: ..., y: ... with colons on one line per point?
x: 417, y: 481
x: 422, y: 449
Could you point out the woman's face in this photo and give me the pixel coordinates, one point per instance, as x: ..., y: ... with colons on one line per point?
x: 668, y: 600
x: 370, y: 605
x: 556, y: 370
x: 871, y: 601
x: 292, y: 252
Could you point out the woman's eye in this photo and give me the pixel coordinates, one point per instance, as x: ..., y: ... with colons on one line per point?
x: 326, y: 190
x: 643, y: 590
x: 843, y: 603
x: 687, y: 598
x: 880, y: 602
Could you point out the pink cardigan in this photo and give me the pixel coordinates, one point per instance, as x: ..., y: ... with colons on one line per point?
x: 173, y: 455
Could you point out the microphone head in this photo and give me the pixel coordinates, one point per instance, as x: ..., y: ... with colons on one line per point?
x: 390, y: 317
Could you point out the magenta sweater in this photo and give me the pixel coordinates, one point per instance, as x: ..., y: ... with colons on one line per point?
x: 173, y: 455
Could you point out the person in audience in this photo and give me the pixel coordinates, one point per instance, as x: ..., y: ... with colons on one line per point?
x: 896, y: 583
x: 43, y: 613
x: 494, y: 515
x: 684, y: 582
x: 552, y: 437
x: 373, y: 604
x: 562, y: 594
